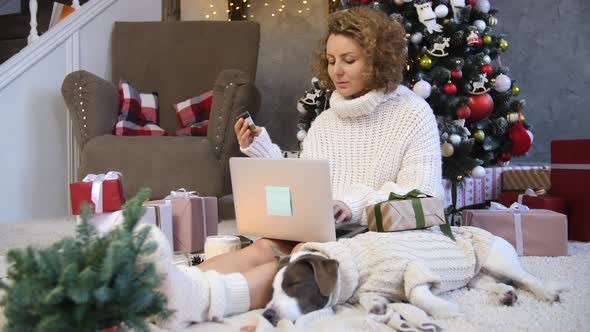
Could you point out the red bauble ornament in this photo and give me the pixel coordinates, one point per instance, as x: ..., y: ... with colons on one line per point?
x: 481, y: 107
x: 505, y: 156
x: 463, y: 112
x: 456, y: 75
x: 521, y: 141
x: 471, y: 2
x: 487, y: 69
x: 478, y: 43
x: 450, y: 89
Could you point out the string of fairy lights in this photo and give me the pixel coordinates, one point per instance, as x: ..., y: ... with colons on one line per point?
x: 239, y: 9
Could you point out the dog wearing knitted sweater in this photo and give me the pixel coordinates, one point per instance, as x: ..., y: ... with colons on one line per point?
x: 374, y: 269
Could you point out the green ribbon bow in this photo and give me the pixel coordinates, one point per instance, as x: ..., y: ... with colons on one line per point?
x: 414, y: 196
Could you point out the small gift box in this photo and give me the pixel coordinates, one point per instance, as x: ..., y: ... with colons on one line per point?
x: 570, y: 179
x: 413, y: 210
x: 194, y: 218
x: 104, y: 192
x: 524, y: 179
x: 534, y: 200
x: 159, y: 215
x: 531, y: 232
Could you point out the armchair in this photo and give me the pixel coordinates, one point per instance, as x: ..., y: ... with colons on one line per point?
x: 178, y: 60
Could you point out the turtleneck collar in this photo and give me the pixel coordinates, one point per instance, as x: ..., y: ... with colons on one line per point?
x: 360, y: 106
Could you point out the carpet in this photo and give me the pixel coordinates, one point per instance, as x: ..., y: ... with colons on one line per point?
x: 480, y: 314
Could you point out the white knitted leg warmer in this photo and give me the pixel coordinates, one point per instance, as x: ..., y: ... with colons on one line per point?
x: 194, y: 295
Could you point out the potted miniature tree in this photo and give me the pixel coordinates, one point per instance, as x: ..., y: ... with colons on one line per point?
x: 90, y: 282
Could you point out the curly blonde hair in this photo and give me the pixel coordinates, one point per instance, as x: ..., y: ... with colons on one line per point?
x: 381, y: 39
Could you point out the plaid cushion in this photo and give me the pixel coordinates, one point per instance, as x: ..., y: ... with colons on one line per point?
x: 197, y: 129
x: 194, y: 112
x: 137, y: 107
x: 128, y: 128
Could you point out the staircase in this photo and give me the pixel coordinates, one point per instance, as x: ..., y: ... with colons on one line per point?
x: 15, y: 28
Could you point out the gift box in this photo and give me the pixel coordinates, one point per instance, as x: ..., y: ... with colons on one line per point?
x: 570, y: 179
x: 531, y: 232
x: 474, y: 191
x: 546, y: 202
x: 159, y: 215
x: 194, y: 218
x: 103, y: 192
x: 402, y: 212
x: 525, y: 179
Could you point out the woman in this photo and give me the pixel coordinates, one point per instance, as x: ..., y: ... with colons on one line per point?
x: 378, y: 137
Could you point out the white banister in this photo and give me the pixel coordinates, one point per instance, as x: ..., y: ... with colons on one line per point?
x: 34, y: 34
x: 76, y: 4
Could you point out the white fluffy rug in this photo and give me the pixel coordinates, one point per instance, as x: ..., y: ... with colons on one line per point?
x: 528, y: 314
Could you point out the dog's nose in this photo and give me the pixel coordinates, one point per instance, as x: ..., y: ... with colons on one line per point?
x: 270, y: 316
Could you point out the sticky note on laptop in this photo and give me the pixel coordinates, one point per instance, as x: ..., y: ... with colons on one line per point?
x: 278, y: 201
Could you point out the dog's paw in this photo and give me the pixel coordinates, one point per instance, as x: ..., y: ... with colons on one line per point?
x: 378, y: 309
x: 448, y: 310
x: 509, y: 297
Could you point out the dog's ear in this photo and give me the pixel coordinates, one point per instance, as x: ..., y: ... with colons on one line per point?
x: 325, y: 272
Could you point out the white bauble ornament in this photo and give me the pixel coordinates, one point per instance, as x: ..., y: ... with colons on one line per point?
x: 482, y: 6
x: 487, y: 59
x: 455, y: 139
x: 531, y: 135
x: 441, y: 11
x: 416, y: 38
x: 480, y: 25
x: 301, y: 109
x: 301, y: 135
x: 478, y: 172
x: 502, y: 83
x: 422, y: 88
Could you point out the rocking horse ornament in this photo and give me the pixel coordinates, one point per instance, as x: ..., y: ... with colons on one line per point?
x: 439, y: 48
x: 478, y: 87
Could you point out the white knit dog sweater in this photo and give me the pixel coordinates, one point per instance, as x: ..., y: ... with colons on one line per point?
x: 392, y: 264
x: 376, y: 143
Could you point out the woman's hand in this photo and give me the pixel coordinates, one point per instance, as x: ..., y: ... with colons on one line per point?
x: 244, y: 134
x: 342, y: 212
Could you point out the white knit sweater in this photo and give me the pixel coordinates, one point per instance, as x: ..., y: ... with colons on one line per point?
x: 375, y: 144
x: 392, y: 264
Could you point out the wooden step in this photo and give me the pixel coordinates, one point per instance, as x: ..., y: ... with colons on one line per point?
x: 10, y: 47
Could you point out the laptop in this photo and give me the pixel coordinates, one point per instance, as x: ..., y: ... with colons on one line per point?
x: 286, y: 199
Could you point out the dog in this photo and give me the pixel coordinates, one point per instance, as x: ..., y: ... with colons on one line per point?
x: 311, y: 280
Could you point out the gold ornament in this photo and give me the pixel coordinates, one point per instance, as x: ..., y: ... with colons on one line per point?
x: 522, y: 118
x: 487, y: 39
x: 515, y: 89
x: 458, y: 62
x: 479, y: 135
x: 503, y: 45
x: 492, y: 21
x: 446, y: 21
x: 447, y: 149
x: 425, y: 62
x: 493, y: 80
x: 512, y: 117
x: 407, y: 36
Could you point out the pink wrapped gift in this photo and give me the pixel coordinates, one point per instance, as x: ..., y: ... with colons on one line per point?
x: 193, y: 218
x: 531, y: 232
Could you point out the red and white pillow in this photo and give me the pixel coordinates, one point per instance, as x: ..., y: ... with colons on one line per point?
x: 139, y: 112
x: 193, y: 115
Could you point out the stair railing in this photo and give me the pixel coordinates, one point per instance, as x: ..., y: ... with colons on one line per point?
x: 33, y: 6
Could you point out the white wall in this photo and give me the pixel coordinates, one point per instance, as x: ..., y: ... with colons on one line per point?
x: 33, y: 134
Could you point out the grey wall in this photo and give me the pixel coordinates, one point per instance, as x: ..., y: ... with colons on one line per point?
x: 284, y: 73
x: 549, y: 57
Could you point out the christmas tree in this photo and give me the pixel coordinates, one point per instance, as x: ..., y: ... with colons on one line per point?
x: 454, y: 63
x: 86, y: 283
